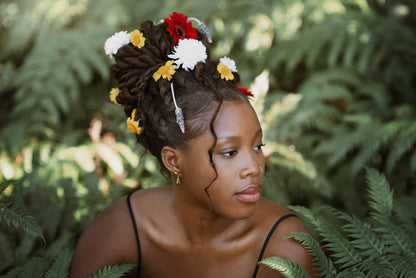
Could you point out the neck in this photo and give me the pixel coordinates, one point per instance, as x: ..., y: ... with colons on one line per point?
x: 199, y: 224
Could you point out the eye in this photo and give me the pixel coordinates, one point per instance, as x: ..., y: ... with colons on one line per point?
x: 259, y: 147
x: 230, y: 153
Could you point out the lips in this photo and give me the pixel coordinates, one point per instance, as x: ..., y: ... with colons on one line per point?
x: 249, y: 195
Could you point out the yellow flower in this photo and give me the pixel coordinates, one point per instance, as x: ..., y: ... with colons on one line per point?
x: 113, y: 94
x: 137, y: 38
x: 225, y: 72
x: 133, y: 125
x: 165, y: 71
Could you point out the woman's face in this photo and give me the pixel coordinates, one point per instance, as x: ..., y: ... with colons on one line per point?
x: 239, y: 161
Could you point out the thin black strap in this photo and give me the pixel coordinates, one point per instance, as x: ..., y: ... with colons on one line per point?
x: 267, y: 240
x: 136, y: 233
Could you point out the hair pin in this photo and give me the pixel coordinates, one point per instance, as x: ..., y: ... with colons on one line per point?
x: 178, y: 111
x: 203, y: 28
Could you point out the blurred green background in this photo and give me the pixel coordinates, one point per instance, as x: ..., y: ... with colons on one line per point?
x: 335, y: 90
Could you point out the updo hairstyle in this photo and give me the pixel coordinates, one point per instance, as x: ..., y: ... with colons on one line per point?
x: 199, y: 92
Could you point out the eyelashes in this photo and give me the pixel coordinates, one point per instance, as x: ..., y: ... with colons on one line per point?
x: 232, y: 153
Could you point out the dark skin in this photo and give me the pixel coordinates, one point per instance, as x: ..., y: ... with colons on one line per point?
x: 183, y: 234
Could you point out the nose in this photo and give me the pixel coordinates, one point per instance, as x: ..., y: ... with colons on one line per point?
x: 253, y: 166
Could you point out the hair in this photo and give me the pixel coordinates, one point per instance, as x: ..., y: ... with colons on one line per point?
x: 199, y: 92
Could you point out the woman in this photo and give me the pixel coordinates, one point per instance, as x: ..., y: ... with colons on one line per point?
x: 190, y: 113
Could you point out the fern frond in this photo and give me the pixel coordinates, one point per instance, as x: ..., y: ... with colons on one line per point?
x: 351, y: 272
x: 17, y: 217
x: 14, y: 273
x: 362, y: 237
x: 114, y: 271
x: 286, y: 267
x: 405, y: 264
x: 340, y: 248
x: 404, y: 212
x: 381, y: 197
x: 33, y: 268
x: 321, y: 262
x: 4, y: 185
x: 404, y: 142
x: 378, y: 267
x: 61, y: 265
x: 380, y: 135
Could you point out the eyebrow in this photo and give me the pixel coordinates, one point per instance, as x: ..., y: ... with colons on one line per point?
x: 236, y: 137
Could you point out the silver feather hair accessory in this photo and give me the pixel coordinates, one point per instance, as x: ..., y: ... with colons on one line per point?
x: 203, y: 28
x: 178, y: 111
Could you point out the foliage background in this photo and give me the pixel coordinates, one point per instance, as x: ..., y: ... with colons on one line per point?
x: 335, y: 90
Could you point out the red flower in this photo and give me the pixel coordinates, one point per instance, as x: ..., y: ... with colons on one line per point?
x: 245, y: 91
x: 179, y: 28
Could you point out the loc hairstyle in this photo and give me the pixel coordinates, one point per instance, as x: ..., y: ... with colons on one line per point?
x: 198, y: 92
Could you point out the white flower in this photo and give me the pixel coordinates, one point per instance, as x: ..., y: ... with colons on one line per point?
x: 115, y: 42
x: 188, y: 53
x: 229, y: 63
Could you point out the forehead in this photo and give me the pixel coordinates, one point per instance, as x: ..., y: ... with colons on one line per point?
x: 236, y: 119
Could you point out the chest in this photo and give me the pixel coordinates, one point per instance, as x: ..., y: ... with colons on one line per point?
x: 167, y: 258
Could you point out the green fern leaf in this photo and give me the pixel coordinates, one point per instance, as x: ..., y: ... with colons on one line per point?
x: 17, y: 217
x: 403, y: 143
x: 381, y: 197
x: 375, y: 140
x: 351, y: 272
x: 405, y: 264
x: 340, y: 248
x: 286, y: 267
x: 323, y: 264
x: 61, y: 265
x: 14, y: 273
x: 378, y: 267
x: 114, y: 271
x: 33, y: 268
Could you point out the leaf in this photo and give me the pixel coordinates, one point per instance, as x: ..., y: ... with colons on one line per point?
x: 61, y: 265
x: 286, y: 267
x: 17, y: 217
x: 114, y: 271
x: 33, y: 268
x: 321, y: 262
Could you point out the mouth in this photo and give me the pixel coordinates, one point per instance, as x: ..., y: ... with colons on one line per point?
x: 249, y: 195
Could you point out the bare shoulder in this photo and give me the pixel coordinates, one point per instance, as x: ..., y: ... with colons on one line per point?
x: 107, y: 240
x: 279, y: 245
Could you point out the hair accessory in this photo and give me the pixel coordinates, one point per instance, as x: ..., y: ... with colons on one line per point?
x: 166, y: 71
x: 203, y: 28
x: 179, y: 27
x: 137, y: 38
x: 246, y: 91
x: 113, y: 94
x: 115, y: 42
x: 225, y: 72
x: 229, y: 63
x: 178, y: 111
x: 133, y: 125
x: 188, y: 53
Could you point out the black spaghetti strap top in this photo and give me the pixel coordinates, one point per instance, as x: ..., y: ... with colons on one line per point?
x: 136, y: 233
x: 269, y: 235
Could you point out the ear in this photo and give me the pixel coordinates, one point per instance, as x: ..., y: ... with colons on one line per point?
x: 171, y: 159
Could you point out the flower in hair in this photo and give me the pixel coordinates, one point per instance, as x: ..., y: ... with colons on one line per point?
x: 246, y: 91
x: 115, y: 42
x: 113, y: 94
x: 229, y: 63
x: 137, y: 38
x: 179, y: 27
x: 225, y: 72
x: 166, y: 71
x: 133, y: 125
x: 188, y: 53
